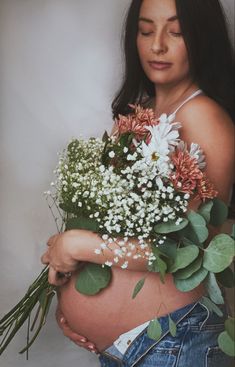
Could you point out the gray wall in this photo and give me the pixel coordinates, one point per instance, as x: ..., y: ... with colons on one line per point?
x: 60, y: 65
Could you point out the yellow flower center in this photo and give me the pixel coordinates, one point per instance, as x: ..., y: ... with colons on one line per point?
x: 155, y: 157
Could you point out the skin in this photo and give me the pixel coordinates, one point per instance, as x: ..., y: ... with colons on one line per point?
x: 203, y: 121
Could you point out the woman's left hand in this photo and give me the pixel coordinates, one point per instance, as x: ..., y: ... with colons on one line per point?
x: 80, y: 340
x: 59, y: 257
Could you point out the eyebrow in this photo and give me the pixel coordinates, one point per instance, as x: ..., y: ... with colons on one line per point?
x: 147, y: 20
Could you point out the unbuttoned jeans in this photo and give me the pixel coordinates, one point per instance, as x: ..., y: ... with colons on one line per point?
x: 195, y: 344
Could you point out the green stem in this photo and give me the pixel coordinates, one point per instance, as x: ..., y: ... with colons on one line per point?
x: 42, y: 322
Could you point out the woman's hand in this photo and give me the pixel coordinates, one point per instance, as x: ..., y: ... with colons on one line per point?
x: 59, y: 258
x: 81, y: 341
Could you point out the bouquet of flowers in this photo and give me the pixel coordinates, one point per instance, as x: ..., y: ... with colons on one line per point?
x: 134, y: 188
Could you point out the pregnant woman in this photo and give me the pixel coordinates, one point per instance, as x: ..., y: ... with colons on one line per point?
x: 178, y: 60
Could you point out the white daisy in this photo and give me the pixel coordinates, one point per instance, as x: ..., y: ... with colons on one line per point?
x: 164, y: 137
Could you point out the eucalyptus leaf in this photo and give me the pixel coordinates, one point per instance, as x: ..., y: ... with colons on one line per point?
x: 82, y: 223
x: 219, y: 254
x: 189, y: 270
x: 211, y: 306
x: 93, y: 278
x: 170, y: 226
x: 230, y: 327
x: 138, y: 287
x: 168, y: 248
x: 219, y: 213
x: 154, y: 330
x: 172, y: 326
x: 188, y: 236
x: 205, y: 210
x: 226, y: 344
x: 198, y: 224
x: 213, y: 289
x: 184, y: 257
x: 186, y: 285
x: 226, y: 278
x: 159, y: 266
x: 188, y: 242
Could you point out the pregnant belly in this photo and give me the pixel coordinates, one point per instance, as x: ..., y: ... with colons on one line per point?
x: 103, y: 317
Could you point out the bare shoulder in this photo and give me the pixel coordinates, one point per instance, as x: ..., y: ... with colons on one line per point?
x: 206, y: 123
x: 204, y: 119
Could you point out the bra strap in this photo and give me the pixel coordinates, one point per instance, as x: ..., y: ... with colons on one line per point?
x: 199, y: 91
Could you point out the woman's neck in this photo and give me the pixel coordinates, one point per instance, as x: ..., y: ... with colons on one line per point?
x: 168, y: 98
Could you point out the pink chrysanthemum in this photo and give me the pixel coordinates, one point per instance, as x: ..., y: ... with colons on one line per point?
x: 136, y: 122
x: 205, y: 189
x: 186, y: 173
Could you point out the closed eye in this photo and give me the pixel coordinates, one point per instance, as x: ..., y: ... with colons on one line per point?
x: 176, y: 34
x: 146, y: 33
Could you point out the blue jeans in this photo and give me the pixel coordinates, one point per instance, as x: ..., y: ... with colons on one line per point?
x: 195, y: 344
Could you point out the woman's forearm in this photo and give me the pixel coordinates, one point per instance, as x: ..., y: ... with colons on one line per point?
x: 85, y: 243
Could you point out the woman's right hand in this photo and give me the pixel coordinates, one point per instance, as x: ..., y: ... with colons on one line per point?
x: 80, y: 340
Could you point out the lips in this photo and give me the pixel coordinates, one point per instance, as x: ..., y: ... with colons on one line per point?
x: 160, y: 65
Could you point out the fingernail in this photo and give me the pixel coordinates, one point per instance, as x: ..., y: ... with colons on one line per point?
x: 62, y: 320
x: 91, y: 347
x: 83, y: 340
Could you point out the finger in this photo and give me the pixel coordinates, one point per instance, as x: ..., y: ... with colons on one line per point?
x: 52, y: 239
x: 57, y: 278
x: 69, y: 332
x: 88, y: 346
x: 52, y: 276
x: 45, y: 258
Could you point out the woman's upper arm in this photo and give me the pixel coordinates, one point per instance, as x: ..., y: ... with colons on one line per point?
x: 204, y: 122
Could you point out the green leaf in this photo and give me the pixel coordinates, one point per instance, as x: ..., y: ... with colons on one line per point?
x: 154, y: 330
x: 186, y: 285
x: 184, y: 257
x: 138, y: 287
x: 93, y: 278
x: 159, y: 266
x: 82, y: 223
x: 213, y: 289
x: 205, y: 210
x: 188, y: 242
x: 219, y: 254
x: 168, y: 248
x: 105, y: 137
x: 172, y: 326
x: 211, y: 306
x: 170, y: 226
x: 189, y: 270
x: 219, y: 213
x: 226, y: 344
x: 226, y: 278
x: 230, y: 327
x: 67, y: 207
x: 198, y: 224
x: 125, y: 139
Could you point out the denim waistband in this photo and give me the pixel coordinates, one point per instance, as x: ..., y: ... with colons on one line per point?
x: 142, y: 348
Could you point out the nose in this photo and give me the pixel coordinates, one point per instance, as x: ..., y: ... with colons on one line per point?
x: 159, y: 45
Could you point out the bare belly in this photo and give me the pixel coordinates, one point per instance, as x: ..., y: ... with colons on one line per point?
x: 103, y: 317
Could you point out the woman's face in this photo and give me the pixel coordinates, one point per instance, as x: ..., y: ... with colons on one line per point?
x: 160, y: 44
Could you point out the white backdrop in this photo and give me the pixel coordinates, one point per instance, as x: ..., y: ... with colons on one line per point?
x: 60, y: 65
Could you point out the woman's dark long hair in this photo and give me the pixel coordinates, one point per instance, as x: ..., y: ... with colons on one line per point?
x: 210, y: 53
